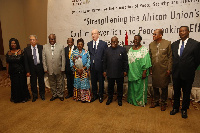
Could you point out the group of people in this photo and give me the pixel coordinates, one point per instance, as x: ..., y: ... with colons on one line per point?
x: 162, y: 59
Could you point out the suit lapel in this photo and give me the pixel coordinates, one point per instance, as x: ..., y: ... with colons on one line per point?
x: 30, y: 52
x: 67, y: 50
x: 49, y: 50
x: 91, y: 48
x: 55, y: 49
x: 98, y: 46
x: 39, y: 51
x: 176, y: 47
x: 74, y: 48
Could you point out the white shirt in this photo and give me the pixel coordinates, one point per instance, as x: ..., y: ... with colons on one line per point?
x: 52, y: 48
x: 72, y: 48
x: 37, y: 54
x: 97, y: 42
x: 185, y: 42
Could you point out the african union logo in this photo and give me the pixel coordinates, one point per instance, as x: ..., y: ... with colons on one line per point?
x: 80, y: 2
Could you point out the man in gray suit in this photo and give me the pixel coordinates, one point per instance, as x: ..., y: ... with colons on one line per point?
x: 54, y: 66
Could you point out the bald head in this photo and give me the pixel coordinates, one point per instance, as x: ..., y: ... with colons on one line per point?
x: 95, y: 34
x: 52, y: 35
x: 52, y: 39
x: 114, y: 42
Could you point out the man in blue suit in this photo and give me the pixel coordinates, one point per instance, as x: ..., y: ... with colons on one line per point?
x: 96, y: 49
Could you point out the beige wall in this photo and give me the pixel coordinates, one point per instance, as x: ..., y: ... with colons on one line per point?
x: 20, y: 18
x: 12, y: 21
x: 35, y: 17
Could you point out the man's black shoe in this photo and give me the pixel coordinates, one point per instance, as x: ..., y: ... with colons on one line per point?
x: 174, y: 111
x: 108, y: 101
x: 184, y: 114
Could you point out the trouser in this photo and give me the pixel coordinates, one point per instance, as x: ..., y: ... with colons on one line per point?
x: 163, y: 96
x: 70, y: 83
x: 38, y: 72
x: 56, y: 84
x: 97, y: 76
x: 111, y: 83
x: 186, y: 86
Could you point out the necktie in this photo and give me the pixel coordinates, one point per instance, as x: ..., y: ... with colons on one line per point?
x: 95, y: 46
x: 34, y: 56
x: 70, y: 51
x: 182, y: 48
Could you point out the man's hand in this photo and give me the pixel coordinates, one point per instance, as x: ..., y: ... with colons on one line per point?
x: 144, y: 75
x: 79, y: 71
x: 150, y: 72
x: 125, y: 74
x: 63, y: 72
x: 168, y: 73
x: 46, y: 71
x: 28, y: 74
x: 104, y: 74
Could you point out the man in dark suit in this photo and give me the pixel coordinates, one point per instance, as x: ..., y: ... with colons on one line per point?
x: 186, y: 58
x: 34, y: 67
x: 96, y: 49
x: 115, y: 66
x: 68, y: 71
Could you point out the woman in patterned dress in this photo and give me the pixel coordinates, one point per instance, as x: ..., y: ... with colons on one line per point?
x: 139, y: 63
x: 80, y: 64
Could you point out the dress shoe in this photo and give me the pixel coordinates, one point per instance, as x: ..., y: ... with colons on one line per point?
x: 23, y: 101
x: 154, y: 104
x: 68, y: 96
x: 53, y: 98
x: 11, y: 100
x: 108, y: 101
x: 163, y: 107
x: 120, y: 102
x: 100, y: 99
x: 184, y: 114
x: 43, y: 98
x: 174, y: 111
x: 34, y: 99
x: 61, y: 98
x: 94, y: 98
x: 29, y: 97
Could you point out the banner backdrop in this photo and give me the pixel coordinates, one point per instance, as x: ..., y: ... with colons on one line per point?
x: 77, y: 18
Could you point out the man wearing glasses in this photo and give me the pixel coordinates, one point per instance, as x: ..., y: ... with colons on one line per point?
x: 161, y: 59
x: 34, y: 67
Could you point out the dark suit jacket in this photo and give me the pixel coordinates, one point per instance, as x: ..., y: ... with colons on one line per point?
x: 98, y: 55
x: 28, y: 58
x: 115, y: 62
x: 67, y: 60
x: 184, y: 67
